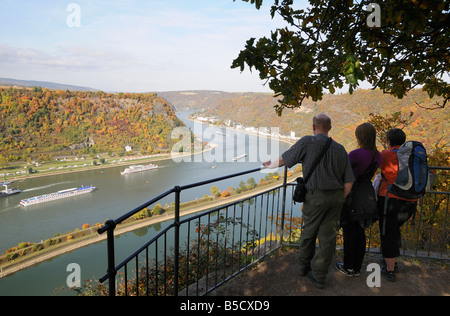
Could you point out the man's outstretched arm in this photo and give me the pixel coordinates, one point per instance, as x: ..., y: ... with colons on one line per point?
x: 272, y: 165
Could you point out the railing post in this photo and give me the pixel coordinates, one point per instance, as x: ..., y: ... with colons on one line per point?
x: 177, y: 190
x: 283, y: 206
x: 111, y: 257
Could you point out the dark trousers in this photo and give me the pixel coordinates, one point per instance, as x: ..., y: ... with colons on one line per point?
x: 321, y: 220
x: 354, y: 245
x: 398, y: 212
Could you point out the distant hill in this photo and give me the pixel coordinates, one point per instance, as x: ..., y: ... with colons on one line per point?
x: 42, y: 84
x: 247, y: 108
x: 40, y: 123
x: 205, y: 99
x: 347, y: 111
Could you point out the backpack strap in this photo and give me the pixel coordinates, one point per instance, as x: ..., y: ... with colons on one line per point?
x: 319, y: 158
x: 370, y: 171
x: 385, y: 207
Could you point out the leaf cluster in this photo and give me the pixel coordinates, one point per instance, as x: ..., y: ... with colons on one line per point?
x: 331, y: 44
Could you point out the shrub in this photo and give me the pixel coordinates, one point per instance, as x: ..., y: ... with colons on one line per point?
x: 215, y: 191
x: 48, y: 243
x: 142, y: 214
x: 37, y: 247
x: 158, y: 210
x: 205, y: 198
x: 225, y: 194
x: 11, y: 256
x: 23, y: 245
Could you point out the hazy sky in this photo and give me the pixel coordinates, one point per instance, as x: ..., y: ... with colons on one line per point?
x: 131, y: 45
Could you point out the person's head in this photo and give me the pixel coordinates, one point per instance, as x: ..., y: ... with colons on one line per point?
x: 395, y: 137
x: 366, y: 136
x: 321, y: 124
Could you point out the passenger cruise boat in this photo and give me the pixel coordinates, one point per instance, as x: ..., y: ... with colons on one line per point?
x: 239, y: 157
x: 139, y: 168
x: 57, y: 195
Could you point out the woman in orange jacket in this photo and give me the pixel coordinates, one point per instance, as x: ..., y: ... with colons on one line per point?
x: 399, y: 210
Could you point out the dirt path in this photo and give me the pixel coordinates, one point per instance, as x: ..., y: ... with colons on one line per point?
x: 278, y: 276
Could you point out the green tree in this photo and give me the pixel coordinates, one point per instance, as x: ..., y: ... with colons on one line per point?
x: 242, y: 186
x: 332, y: 43
x: 144, y: 213
x: 384, y: 123
x: 215, y: 191
x: 158, y: 210
x: 251, y: 183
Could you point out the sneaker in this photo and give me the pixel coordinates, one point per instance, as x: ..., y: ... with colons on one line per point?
x: 317, y: 284
x: 396, y: 267
x: 344, y: 271
x: 388, y: 275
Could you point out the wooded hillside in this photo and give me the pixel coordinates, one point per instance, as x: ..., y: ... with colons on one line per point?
x: 38, y: 123
x: 346, y: 111
x: 41, y: 123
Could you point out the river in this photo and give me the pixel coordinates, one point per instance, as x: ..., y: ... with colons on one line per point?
x: 116, y: 195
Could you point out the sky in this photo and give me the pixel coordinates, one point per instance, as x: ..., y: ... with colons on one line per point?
x: 132, y: 45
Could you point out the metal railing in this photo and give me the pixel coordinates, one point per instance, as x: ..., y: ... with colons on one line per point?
x: 196, y: 254
x: 426, y: 234
x: 220, y: 243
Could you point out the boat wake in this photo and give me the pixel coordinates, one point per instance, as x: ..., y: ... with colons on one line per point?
x: 9, y: 208
x: 45, y: 186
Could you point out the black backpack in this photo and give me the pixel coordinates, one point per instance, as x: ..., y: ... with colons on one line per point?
x: 361, y: 203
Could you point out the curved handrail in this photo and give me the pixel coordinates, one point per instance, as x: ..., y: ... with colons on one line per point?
x: 111, y: 224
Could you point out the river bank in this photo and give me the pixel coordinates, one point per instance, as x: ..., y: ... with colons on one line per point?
x: 58, y: 248
x: 69, y: 246
x: 41, y: 172
x: 124, y: 161
x: 116, y: 195
x: 52, y: 169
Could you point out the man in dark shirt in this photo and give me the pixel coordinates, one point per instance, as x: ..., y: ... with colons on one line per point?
x: 327, y: 188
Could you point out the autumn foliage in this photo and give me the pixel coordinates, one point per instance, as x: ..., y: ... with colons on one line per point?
x: 40, y: 122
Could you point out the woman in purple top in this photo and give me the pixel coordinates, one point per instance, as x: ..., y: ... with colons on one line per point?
x: 364, y: 161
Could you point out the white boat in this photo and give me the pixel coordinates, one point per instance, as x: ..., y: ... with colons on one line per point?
x: 57, y: 195
x: 139, y: 168
x: 239, y: 157
x: 7, y: 191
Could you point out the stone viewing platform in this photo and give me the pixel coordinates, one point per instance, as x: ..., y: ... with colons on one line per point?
x: 278, y: 275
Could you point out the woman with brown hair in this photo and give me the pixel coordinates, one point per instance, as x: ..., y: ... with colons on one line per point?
x: 364, y: 161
